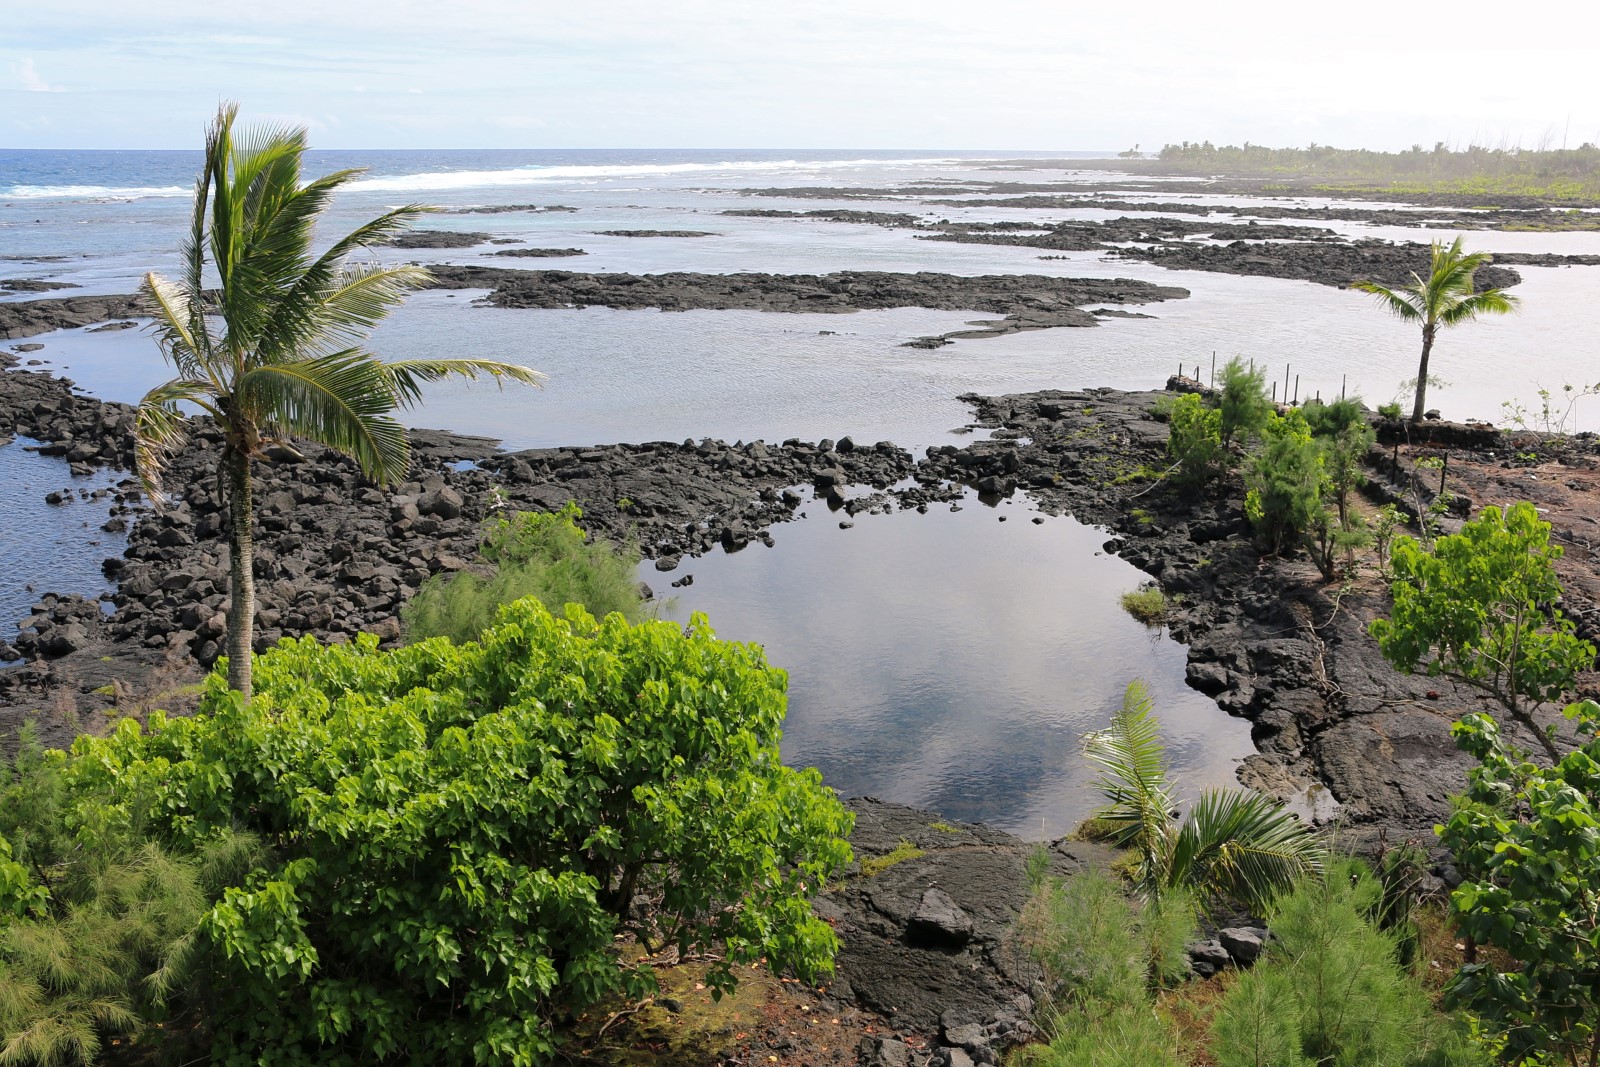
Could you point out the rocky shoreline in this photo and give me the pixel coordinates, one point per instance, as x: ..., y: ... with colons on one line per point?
x: 925, y: 939
x: 337, y: 556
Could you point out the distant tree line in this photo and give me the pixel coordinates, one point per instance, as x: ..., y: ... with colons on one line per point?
x: 1534, y: 168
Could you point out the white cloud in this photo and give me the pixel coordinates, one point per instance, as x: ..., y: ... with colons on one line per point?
x: 29, y: 78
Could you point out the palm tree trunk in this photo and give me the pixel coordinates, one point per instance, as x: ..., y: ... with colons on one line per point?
x: 1422, y: 374
x: 242, y: 579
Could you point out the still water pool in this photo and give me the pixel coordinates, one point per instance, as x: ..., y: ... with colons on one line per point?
x: 953, y: 661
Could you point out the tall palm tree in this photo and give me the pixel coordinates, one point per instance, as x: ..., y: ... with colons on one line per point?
x: 1234, y: 845
x: 266, y: 337
x: 1446, y: 298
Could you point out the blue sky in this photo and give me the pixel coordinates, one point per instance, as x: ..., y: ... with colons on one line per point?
x: 1041, y: 74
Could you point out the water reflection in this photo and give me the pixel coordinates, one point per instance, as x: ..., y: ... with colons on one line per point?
x: 954, y: 662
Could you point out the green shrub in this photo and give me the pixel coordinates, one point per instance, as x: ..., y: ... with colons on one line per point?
x: 1243, y: 402
x: 1195, y: 441
x: 1101, y: 956
x: 1125, y: 1037
x: 1391, y: 410
x: 19, y: 896
x: 458, y: 834
x: 1330, y: 418
x: 1148, y: 604
x: 106, y: 946
x: 1332, y: 977
x: 1479, y: 609
x: 1343, y: 457
x: 537, y: 554
x: 1258, y: 1023
x: 1524, y: 837
x: 1286, y: 481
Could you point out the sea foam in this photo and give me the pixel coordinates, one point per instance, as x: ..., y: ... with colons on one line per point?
x: 471, y: 179
x: 91, y: 192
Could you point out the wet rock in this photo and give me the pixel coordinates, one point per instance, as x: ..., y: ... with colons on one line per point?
x: 1024, y: 301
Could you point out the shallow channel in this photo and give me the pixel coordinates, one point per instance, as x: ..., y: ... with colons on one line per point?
x: 953, y: 661
x: 49, y: 547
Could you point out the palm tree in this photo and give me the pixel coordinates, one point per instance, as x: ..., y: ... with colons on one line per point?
x: 1445, y: 299
x: 273, y: 350
x: 1234, y: 845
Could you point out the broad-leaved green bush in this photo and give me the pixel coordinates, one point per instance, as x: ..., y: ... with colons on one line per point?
x: 1527, y: 840
x: 545, y: 555
x: 457, y: 834
x: 1478, y: 609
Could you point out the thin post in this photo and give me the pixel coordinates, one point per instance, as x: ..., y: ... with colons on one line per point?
x: 1444, y: 470
x: 1297, y: 388
x: 1213, y: 368
x: 1286, y: 383
x: 1274, y: 392
x: 1394, y: 464
x: 1343, y: 381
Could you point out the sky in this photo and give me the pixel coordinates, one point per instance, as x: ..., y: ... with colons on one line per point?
x: 953, y: 74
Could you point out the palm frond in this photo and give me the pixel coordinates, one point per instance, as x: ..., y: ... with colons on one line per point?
x: 1133, y: 779
x: 321, y: 283
x: 1488, y: 302
x: 341, y: 400
x: 180, y: 324
x: 337, y: 314
x: 408, y: 376
x: 160, y: 428
x: 1402, y: 303
x: 1241, y: 846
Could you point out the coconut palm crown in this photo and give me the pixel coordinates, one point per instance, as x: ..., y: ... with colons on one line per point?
x: 1234, y: 846
x: 1445, y: 298
x: 266, y: 338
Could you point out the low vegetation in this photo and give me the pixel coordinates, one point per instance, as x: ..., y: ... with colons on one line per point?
x: 1331, y: 987
x: 1300, y: 465
x: 544, y: 555
x: 424, y: 855
x: 1148, y: 604
x: 1524, y: 837
x: 1234, y: 846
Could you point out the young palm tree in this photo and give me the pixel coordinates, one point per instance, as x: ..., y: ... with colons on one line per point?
x: 1446, y: 298
x: 266, y: 337
x: 1233, y: 845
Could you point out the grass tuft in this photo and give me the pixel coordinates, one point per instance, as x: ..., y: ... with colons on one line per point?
x: 1148, y: 604
x: 876, y: 865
